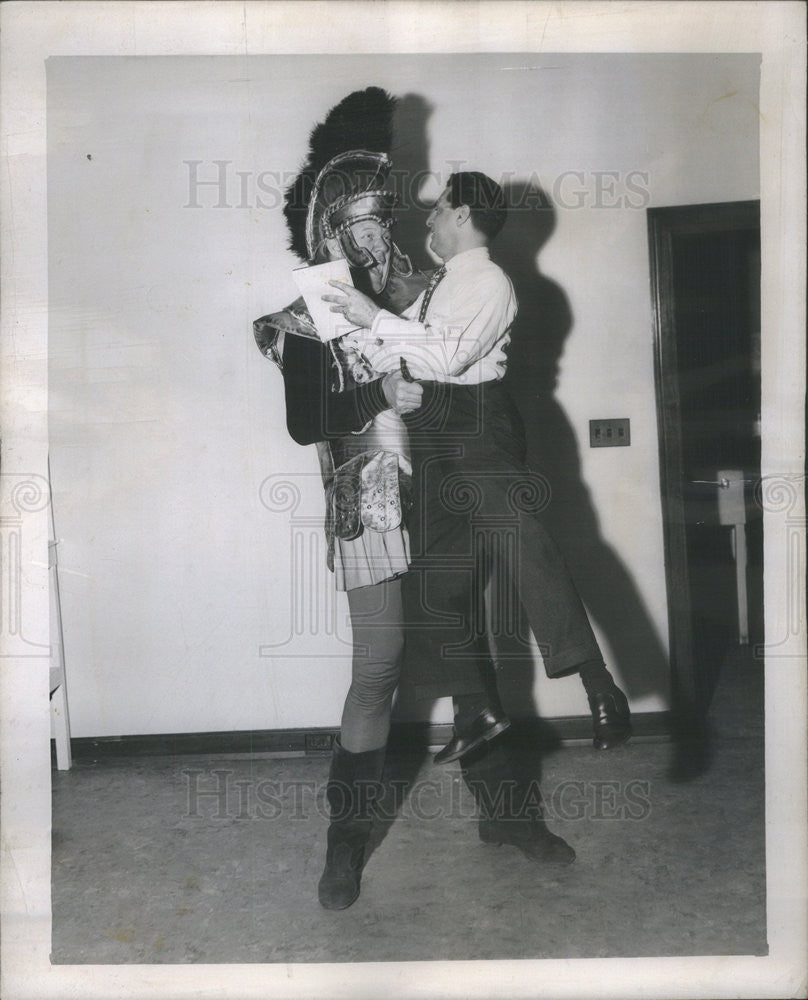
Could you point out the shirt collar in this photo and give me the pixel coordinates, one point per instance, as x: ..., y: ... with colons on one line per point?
x: 467, y: 256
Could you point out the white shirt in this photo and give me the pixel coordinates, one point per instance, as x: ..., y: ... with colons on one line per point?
x: 466, y: 330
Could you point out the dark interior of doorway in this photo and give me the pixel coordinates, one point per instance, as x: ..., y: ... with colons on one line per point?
x: 705, y: 275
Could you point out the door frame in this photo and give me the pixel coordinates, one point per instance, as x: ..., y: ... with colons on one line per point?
x: 663, y: 225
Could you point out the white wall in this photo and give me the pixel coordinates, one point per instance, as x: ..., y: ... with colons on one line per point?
x: 166, y: 421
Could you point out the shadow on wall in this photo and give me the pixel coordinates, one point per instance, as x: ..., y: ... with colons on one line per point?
x: 542, y: 325
x: 410, y: 156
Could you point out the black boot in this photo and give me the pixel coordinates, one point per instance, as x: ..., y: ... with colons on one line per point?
x: 353, y: 783
x: 511, y: 809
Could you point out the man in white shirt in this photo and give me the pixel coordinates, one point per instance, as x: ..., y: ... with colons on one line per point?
x: 472, y: 522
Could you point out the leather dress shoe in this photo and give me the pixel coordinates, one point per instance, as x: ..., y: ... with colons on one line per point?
x: 611, y: 718
x: 482, y: 727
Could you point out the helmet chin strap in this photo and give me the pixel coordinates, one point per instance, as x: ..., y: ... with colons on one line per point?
x: 372, y: 262
x: 400, y: 262
x: 363, y: 259
x: 357, y: 256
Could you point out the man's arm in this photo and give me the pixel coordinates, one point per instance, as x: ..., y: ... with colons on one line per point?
x: 314, y: 413
x: 470, y: 322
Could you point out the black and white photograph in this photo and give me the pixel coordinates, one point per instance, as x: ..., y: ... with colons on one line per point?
x: 403, y: 501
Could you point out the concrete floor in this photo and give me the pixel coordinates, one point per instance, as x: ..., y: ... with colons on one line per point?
x: 149, y: 869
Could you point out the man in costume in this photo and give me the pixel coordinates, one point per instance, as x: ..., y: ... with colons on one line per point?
x: 339, y: 206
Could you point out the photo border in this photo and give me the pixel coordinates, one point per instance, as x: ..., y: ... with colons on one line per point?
x: 32, y: 32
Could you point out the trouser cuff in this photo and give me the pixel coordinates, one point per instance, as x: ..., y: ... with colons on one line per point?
x: 571, y: 659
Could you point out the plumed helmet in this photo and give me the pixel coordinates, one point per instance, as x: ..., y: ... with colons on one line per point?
x: 344, y: 178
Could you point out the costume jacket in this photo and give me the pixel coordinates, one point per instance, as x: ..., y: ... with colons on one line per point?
x: 332, y: 399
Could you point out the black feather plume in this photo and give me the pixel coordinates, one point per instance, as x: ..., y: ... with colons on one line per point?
x: 362, y: 120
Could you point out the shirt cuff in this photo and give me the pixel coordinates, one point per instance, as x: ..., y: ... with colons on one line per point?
x: 371, y: 400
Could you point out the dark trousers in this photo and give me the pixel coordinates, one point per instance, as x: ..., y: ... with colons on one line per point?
x: 477, y: 526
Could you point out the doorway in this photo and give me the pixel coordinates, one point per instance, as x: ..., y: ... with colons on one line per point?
x: 705, y: 278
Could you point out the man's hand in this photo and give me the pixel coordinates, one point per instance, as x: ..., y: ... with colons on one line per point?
x: 403, y: 397
x: 354, y: 305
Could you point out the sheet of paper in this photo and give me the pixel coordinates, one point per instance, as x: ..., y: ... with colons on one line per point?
x: 313, y: 284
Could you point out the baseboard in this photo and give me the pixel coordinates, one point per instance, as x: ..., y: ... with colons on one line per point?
x: 404, y: 737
